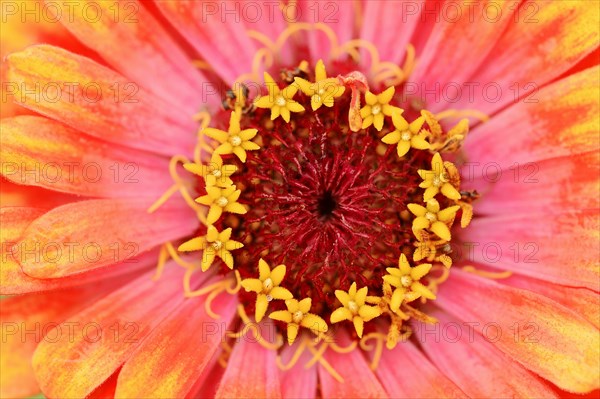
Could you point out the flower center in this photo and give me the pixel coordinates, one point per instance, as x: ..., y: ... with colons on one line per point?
x: 353, y: 307
x: 222, y: 202
x: 297, y: 317
x: 406, y: 281
x: 335, y: 197
x: 236, y: 140
x: 325, y: 201
x: 268, y: 284
x: 280, y: 101
x: 326, y: 204
x: 431, y: 216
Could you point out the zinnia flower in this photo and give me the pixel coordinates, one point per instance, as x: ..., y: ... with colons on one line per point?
x: 303, y: 199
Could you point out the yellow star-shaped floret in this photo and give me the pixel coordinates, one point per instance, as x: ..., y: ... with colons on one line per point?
x: 213, y: 244
x: 214, y: 173
x: 406, y: 135
x: 267, y: 287
x: 405, y: 280
x: 235, y: 141
x: 354, y: 308
x: 296, y: 315
x: 279, y: 101
x: 221, y: 199
x: 436, y: 180
x: 377, y: 107
x: 323, y: 91
x: 432, y: 218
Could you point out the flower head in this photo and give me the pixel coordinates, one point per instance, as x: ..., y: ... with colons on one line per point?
x: 333, y: 202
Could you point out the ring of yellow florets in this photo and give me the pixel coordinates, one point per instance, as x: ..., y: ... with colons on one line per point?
x: 431, y: 225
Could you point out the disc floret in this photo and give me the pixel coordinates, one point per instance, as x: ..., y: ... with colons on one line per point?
x: 354, y: 308
x: 280, y: 101
x: 267, y: 287
x: 406, y: 281
x: 298, y: 315
x: 213, y: 244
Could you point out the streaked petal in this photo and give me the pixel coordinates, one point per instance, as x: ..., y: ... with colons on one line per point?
x: 359, y: 380
x: 177, y: 352
x: 75, y: 364
x: 97, y: 101
x: 565, y: 242
x: 463, y: 346
x: 405, y: 372
x: 251, y: 373
x: 76, y: 237
x: 547, y: 338
x: 131, y: 28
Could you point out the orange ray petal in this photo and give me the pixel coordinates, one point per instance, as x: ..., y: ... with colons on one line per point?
x: 405, y: 372
x: 472, y: 36
x: 98, y: 101
x: 177, y: 352
x: 14, y: 221
x: 547, y: 39
x: 542, y: 335
x: 39, y: 151
x: 142, y: 42
x: 207, y: 31
x: 106, y: 334
x: 251, y: 372
x: 552, y: 185
x: 359, y: 380
x: 91, y: 234
x: 561, y: 247
x: 561, y: 120
x: 582, y: 300
x: 29, y: 320
x: 475, y: 365
x: 298, y: 381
